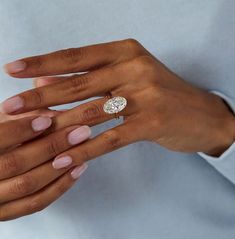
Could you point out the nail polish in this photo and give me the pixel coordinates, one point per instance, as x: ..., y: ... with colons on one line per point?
x: 79, y: 135
x: 12, y: 105
x: 62, y: 162
x: 75, y: 137
x: 78, y: 171
x: 15, y: 67
x: 41, y: 123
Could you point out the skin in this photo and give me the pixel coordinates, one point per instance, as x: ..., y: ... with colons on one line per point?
x: 162, y: 107
x: 28, y: 182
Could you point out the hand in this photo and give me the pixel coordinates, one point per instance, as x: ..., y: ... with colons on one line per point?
x: 28, y: 182
x: 161, y: 106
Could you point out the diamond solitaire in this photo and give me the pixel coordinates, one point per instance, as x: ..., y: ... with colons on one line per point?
x: 115, y: 105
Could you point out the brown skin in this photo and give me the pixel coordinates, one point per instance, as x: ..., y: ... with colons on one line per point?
x: 161, y: 106
x: 28, y: 182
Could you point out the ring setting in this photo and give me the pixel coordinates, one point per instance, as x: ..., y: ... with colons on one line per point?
x: 115, y: 105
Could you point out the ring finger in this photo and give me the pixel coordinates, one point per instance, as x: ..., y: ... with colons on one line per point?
x: 91, y: 113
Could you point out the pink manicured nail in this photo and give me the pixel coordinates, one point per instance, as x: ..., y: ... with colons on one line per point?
x: 42, y: 81
x: 41, y: 123
x: 79, y: 135
x: 62, y: 162
x: 12, y: 105
x: 75, y: 137
x: 15, y: 67
x: 78, y: 171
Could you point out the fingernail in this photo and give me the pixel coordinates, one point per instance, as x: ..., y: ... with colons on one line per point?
x: 78, y: 171
x: 75, y: 137
x: 15, y: 67
x: 41, y: 81
x: 79, y: 135
x: 41, y: 123
x: 12, y: 105
x: 62, y: 162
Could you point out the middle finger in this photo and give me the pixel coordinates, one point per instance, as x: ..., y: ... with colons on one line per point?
x: 71, y: 89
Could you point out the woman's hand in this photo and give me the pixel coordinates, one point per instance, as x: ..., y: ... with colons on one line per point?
x: 28, y: 182
x: 161, y: 106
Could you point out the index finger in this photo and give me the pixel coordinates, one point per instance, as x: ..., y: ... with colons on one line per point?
x: 74, y: 60
x: 15, y: 132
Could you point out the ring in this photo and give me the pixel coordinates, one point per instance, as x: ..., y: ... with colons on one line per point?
x: 115, y: 105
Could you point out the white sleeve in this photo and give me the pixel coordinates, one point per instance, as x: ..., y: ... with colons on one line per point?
x: 225, y: 164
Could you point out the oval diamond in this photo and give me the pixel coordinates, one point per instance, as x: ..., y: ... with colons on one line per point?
x: 115, y: 105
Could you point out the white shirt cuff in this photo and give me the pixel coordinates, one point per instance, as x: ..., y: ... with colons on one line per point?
x: 225, y: 164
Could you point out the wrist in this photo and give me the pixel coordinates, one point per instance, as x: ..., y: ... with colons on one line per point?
x: 224, y: 134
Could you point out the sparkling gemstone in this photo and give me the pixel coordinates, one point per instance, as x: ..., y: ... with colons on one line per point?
x: 115, y: 105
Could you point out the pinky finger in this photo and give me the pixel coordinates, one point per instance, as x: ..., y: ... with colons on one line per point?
x: 42, y: 199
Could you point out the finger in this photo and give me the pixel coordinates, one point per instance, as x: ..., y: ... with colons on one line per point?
x: 90, y: 113
x: 35, y: 113
x: 42, y: 199
x: 104, y: 143
x: 28, y: 183
x: 75, y: 59
x: 33, y: 154
x: 71, y: 89
x: 43, y: 81
x: 18, y: 131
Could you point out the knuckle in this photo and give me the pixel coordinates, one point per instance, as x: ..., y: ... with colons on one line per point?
x: 154, y: 90
x: 72, y: 55
x: 133, y: 47
x: 53, y: 147
x: 84, y: 156
x: 36, y: 96
x: 92, y: 112
x: 35, y: 205
x: 61, y: 188
x: 38, y: 62
x: 132, y: 43
x: 23, y: 185
x: 78, y: 83
x: 153, y: 94
x: 112, y: 140
x: 9, y: 164
x: 144, y: 65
